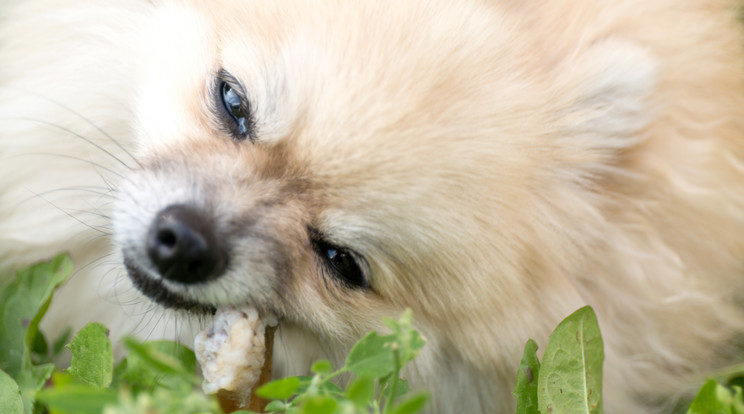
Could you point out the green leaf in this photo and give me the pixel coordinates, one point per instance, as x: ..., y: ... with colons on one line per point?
x: 10, y: 395
x: 322, y: 366
x: 318, y: 404
x: 280, y: 389
x: 526, y: 388
x: 714, y: 398
x: 92, y: 357
x: 737, y: 405
x: 77, y: 399
x: 159, y: 363
x: 276, y: 406
x: 408, y: 340
x: 23, y: 302
x: 60, y: 342
x: 570, y: 379
x: 412, y: 405
x: 325, y: 387
x: 372, y: 356
x: 361, y: 391
x: 401, y: 387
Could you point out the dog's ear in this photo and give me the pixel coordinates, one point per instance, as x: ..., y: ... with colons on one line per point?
x: 609, y: 106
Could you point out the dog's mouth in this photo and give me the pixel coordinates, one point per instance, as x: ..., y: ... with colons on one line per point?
x: 159, y: 293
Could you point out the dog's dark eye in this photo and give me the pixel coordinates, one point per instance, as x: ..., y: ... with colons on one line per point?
x: 343, y: 264
x: 236, y: 108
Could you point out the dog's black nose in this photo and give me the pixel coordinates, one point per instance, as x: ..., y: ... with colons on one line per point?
x: 184, y: 247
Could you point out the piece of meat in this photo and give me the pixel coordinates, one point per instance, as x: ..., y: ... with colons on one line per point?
x: 234, y: 353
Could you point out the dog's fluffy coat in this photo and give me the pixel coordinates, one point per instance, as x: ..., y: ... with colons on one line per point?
x: 497, y: 164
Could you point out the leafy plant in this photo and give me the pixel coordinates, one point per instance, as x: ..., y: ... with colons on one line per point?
x: 570, y: 377
x: 158, y: 377
x: 376, y: 361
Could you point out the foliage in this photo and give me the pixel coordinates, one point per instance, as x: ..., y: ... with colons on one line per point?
x: 158, y: 377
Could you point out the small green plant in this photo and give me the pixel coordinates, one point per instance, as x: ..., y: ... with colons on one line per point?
x: 158, y: 377
x: 376, y: 361
x: 570, y: 377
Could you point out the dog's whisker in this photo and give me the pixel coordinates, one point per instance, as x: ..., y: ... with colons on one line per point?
x: 81, y: 117
x: 73, y: 133
x: 72, y: 157
x: 72, y: 216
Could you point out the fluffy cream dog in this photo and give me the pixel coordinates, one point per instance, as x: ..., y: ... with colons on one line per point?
x: 493, y: 165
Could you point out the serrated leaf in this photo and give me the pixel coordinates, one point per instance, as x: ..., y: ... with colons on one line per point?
x: 92, y: 357
x: 280, y: 389
x: 411, y: 405
x: 77, y: 399
x: 570, y: 379
x: 372, y: 356
x: 526, y: 388
x: 10, y: 395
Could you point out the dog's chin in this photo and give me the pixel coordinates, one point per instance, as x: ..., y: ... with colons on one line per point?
x: 159, y: 293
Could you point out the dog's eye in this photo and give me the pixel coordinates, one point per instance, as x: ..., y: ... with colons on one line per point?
x: 343, y: 264
x: 236, y: 108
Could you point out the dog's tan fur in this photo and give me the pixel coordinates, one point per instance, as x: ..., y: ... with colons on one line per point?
x: 498, y: 164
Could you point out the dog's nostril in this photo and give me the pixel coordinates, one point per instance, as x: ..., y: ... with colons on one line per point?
x: 184, y: 247
x: 166, y: 238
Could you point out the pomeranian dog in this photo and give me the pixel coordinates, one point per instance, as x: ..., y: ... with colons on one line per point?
x: 491, y: 164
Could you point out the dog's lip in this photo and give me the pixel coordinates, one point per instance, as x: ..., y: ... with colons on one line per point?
x: 158, y: 292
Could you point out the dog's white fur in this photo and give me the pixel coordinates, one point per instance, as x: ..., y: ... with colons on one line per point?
x: 498, y: 164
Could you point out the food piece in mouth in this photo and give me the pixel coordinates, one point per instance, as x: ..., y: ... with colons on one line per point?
x: 234, y: 353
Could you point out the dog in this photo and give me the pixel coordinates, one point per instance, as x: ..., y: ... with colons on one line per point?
x: 493, y: 165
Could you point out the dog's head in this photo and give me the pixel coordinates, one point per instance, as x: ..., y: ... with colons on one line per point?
x: 332, y: 163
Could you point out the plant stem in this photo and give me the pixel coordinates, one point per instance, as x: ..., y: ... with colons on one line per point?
x: 394, y: 380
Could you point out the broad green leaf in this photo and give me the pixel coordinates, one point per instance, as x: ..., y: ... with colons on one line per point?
x: 10, y: 395
x: 526, y: 388
x: 714, y: 398
x: 77, y: 399
x: 411, y: 405
x: 318, y: 404
x: 372, y: 356
x: 23, y: 302
x: 280, y: 389
x: 361, y: 391
x: 570, y: 379
x: 92, y: 357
